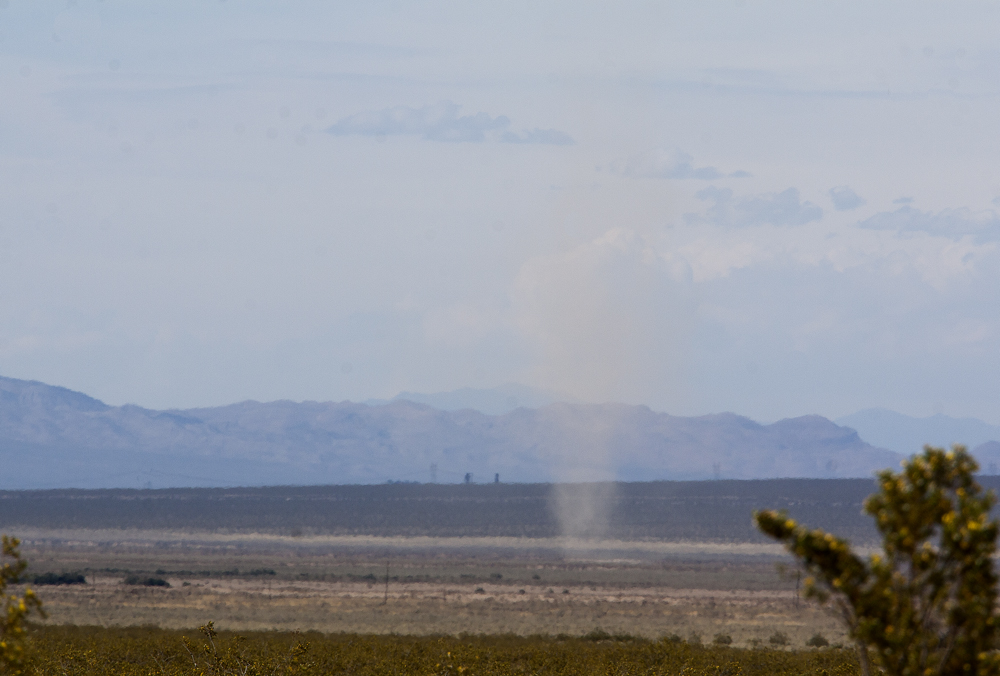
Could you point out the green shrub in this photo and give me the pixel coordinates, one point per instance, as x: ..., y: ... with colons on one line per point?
x: 817, y: 641
x: 925, y: 604
x: 778, y: 638
x: 262, y: 571
x: 62, y: 578
x: 599, y: 634
x: 722, y: 639
x: 14, y: 610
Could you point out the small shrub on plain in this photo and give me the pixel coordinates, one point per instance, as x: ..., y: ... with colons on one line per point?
x: 722, y: 639
x: 817, y: 641
x: 778, y: 639
x: 140, y: 581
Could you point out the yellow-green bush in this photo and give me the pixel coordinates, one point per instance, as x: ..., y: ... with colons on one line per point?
x: 14, y: 609
x: 926, y: 603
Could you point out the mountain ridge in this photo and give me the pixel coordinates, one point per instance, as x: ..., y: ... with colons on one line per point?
x: 907, y: 434
x: 54, y: 437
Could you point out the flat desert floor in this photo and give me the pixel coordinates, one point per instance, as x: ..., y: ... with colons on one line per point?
x: 396, y: 585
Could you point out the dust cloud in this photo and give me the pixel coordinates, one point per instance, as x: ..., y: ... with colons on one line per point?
x: 582, y: 459
x: 608, y: 319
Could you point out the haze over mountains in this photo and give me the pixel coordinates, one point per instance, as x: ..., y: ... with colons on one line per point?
x: 54, y: 437
x: 492, y: 401
x: 906, y: 434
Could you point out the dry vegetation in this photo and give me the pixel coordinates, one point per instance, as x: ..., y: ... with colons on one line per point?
x: 81, y: 650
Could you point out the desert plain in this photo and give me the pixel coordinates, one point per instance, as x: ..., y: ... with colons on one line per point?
x: 425, y: 586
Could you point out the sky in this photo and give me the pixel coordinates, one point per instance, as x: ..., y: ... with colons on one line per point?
x: 770, y: 208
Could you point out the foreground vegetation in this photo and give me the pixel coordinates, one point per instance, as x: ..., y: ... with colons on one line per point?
x: 927, y: 603
x: 90, y: 650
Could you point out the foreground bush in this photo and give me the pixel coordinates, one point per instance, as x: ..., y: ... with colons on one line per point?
x: 14, y: 610
x: 927, y: 603
x: 88, y: 650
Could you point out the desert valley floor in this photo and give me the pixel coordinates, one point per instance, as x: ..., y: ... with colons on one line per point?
x: 444, y: 586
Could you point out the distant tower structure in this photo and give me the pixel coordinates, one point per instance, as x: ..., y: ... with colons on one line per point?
x: 468, y: 477
x: 496, y: 478
x: 434, y: 473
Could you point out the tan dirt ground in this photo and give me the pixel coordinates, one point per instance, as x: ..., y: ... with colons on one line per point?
x: 428, y: 608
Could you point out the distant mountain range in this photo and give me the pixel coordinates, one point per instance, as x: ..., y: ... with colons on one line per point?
x: 907, y: 435
x: 880, y: 427
x: 54, y: 437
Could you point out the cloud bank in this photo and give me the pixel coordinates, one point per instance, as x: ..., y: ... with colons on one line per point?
x: 439, y: 122
x: 442, y: 122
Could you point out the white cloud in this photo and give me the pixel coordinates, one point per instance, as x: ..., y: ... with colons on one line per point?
x: 676, y: 164
x: 440, y: 122
x: 538, y: 136
x: 778, y: 307
x: 845, y: 199
x: 766, y: 307
x: 952, y: 223
x: 716, y: 257
x: 784, y: 208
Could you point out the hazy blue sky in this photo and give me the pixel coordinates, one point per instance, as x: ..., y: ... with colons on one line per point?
x: 769, y: 208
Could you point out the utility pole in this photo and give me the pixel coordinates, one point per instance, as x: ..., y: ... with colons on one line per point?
x: 385, y: 601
